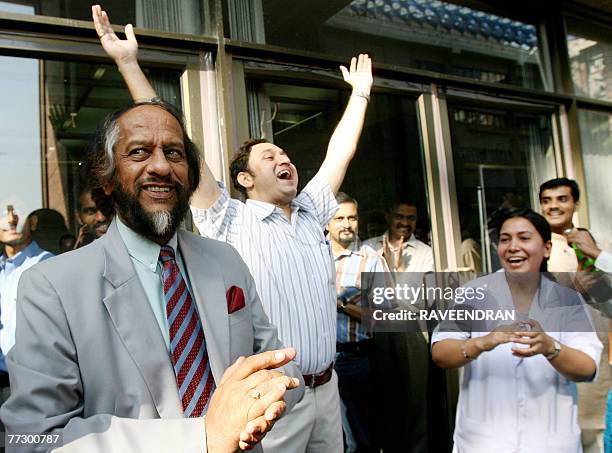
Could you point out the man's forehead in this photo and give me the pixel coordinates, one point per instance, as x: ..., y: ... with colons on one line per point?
x: 346, y: 208
x: 261, y: 148
x: 405, y: 208
x: 145, y: 117
x: 86, y: 199
x: 557, y: 191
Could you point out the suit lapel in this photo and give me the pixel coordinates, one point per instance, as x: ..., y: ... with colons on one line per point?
x: 208, y: 289
x: 135, y: 323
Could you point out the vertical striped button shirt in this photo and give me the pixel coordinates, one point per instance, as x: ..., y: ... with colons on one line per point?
x: 350, y: 265
x: 291, y: 263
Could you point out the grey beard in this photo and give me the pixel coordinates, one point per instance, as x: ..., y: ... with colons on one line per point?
x: 161, y: 221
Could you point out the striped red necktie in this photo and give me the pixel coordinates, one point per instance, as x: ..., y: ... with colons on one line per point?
x: 187, y: 345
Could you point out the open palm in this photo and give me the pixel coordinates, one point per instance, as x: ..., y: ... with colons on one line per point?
x: 359, y: 74
x: 120, y: 50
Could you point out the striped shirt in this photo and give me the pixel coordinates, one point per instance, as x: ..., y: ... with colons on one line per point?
x: 291, y: 263
x: 349, y: 266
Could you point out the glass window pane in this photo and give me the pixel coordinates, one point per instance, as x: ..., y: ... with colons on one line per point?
x: 596, y: 138
x: 423, y: 34
x: 590, y: 54
x: 49, y: 113
x: 177, y: 16
x: 20, y: 159
x: 500, y: 158
x: 388, y: 162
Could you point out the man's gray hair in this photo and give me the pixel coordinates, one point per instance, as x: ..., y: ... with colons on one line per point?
x: 100, y: 164
x: 342, y: 197
x: 111, y: 137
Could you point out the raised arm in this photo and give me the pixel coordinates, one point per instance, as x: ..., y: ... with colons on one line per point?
x: 208, y: 191
x: 124, y: 53
x: 343, y: 143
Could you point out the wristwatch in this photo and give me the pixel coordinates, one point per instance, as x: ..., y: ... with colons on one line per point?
x: 555, y: 353
x: 342, y: 301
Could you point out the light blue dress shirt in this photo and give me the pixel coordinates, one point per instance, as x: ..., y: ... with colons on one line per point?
x: 10, y: 273
x: 145, y: 257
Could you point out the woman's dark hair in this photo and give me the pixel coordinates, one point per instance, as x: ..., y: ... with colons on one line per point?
x: 538, y: 221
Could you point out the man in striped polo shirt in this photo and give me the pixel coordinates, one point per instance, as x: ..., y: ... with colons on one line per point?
x: 279, y: 234
x: 353, y: 343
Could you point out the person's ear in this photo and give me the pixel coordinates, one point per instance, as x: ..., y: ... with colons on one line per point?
x: 245, y: 179
x: 33, y: 220
x: 77, y: 216
x: 108, y: 188
x: 547, y: 249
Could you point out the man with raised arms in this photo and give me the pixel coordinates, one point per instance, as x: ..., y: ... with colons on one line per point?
x: 279, y: 234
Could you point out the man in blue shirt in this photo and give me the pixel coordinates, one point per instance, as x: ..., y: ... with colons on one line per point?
x: 353, y: 337
x: 20, y: 253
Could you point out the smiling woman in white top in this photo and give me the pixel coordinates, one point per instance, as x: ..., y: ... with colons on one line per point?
x: 518, y: 391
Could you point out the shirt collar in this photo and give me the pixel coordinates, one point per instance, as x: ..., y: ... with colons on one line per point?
x: 32, y: 249
x: 556, y: 237
x: 263, y: 209
x: 353, y: 249
x: 142, y: 249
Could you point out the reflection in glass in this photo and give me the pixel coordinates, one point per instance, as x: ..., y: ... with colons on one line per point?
x: 177, y: 16
x: 388, y: 162
x: 500, y: 159
x: 590, y: 54
x: 50, y: 112
x: 423, y: 34
x: 20, y: 155
x: 596, y: 139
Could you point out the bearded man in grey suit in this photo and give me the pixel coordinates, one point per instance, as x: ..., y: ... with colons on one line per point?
x: 126, y: 344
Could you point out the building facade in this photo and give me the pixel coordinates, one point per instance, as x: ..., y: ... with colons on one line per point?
x: 475, y: 103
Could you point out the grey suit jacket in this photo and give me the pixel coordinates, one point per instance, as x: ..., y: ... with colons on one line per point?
x: 89, y: 359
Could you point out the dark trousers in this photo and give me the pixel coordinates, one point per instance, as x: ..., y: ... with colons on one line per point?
x: 5, y: 392
x: 353, y: 369
x: 400, y: 365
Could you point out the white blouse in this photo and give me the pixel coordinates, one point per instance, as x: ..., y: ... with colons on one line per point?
x: 509, y: 404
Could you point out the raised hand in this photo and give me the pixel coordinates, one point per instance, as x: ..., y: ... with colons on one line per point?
x: 359, y: 75
x: 8, y: 227
x: 247, y: 402
x: 394, y: 261
x: 122, y: 51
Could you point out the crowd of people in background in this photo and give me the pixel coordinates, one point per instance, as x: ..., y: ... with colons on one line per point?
x: 296, y: 275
